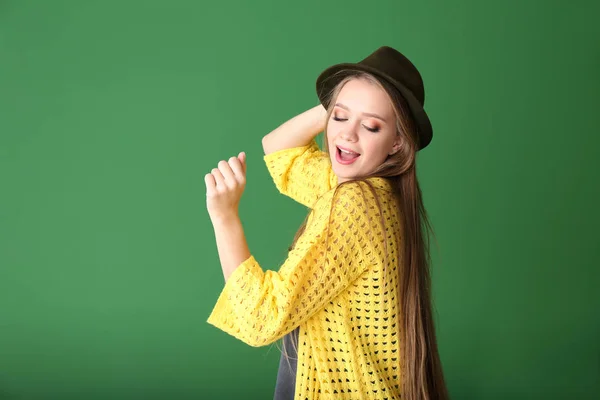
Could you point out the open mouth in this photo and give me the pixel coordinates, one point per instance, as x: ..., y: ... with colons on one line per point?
x: 344, y: 157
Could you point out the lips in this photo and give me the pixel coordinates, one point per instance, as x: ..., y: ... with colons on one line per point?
x: 340, y: 160
x: 350, y: 150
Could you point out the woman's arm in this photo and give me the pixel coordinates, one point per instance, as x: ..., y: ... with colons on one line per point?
x: 297, y: 131
x: 259, y: 306
x: 231, y: 243
x: 224, y: 188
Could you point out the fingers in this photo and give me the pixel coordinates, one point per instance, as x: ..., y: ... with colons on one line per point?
x: 232, y: 171
x: 209, y: 180
x: 238, y: 166
x: 218, y: 177
x: 225, y: 170
x: 242, y: 157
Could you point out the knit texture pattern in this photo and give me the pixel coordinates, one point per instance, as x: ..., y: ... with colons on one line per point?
x: 333, y: 284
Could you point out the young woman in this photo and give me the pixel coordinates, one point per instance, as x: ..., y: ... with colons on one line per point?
x: 352, y: 301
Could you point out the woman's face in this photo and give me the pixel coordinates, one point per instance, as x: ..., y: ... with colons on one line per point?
x: 362, y: 122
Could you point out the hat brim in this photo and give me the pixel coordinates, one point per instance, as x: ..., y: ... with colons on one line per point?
x: 331, y: 76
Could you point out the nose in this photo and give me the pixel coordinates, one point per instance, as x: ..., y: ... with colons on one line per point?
x: 349, y: 133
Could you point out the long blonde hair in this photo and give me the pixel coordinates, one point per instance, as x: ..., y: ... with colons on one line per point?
x: 421, y: 368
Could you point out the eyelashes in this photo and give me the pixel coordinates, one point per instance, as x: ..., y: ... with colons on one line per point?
x: 366, y: 127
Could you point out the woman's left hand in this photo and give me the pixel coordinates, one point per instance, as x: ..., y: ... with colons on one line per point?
x: 225, y: 186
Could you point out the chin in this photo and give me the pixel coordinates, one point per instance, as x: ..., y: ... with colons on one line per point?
x: 344, y: 177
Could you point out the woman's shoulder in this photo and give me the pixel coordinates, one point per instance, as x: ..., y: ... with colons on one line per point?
x: 354, y: 213
x: 348, y: 191
x: 355, y: 197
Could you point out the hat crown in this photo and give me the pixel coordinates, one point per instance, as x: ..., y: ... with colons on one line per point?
x: 398, y: 67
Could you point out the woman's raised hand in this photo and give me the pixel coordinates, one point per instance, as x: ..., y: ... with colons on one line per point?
x: 225, y: 186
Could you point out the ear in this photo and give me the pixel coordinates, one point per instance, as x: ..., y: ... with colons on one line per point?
x: 395, y: 146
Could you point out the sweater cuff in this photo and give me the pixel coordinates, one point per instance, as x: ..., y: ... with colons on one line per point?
x: 249, y: 270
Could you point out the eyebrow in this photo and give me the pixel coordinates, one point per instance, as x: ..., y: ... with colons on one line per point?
x: 367, y: 114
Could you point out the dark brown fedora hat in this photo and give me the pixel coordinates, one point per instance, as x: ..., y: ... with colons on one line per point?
x: 388, y: 64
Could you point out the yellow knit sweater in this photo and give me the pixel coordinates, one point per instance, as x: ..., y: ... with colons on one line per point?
x: 333, y: 285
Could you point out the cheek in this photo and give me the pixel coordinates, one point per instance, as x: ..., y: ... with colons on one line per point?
x: 331, y: 139
x: 376, y: 153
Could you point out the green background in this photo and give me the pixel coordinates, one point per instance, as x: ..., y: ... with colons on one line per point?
x: 111, y: 112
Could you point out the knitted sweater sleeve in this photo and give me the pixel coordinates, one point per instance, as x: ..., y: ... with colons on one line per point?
x: 260, y: 307
x: 303, y: 173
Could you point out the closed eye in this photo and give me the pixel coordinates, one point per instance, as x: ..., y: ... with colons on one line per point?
x: 366, y: 127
